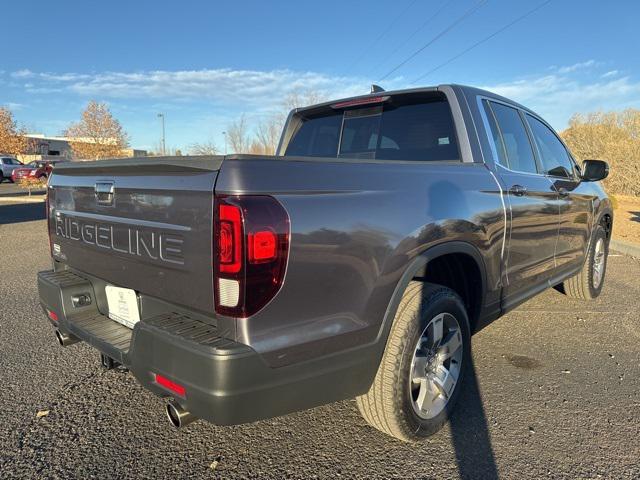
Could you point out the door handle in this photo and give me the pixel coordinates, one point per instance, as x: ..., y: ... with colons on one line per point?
x: 518, y: 190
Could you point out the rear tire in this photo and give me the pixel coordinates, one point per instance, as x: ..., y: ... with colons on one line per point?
x: 416, y: 387
x: 587, y: 284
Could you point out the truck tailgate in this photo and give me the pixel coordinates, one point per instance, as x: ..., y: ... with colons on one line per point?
x: 144, y: 224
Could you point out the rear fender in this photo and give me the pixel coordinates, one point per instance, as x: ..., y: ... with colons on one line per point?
x: 418, y: 266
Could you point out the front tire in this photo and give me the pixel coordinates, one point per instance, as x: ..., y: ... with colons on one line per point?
x: 587, y: 284
x: 422, y: 368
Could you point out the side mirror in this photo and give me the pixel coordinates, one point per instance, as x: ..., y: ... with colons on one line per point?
x: 594, y: 170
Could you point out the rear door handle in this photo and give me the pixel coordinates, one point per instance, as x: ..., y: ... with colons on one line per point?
x: 518, y: 190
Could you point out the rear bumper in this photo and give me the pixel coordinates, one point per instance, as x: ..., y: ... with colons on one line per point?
x: 225, y: 382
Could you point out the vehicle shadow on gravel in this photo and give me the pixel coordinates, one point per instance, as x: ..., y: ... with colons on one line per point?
x: 22, y: 212
x: 470, y: 432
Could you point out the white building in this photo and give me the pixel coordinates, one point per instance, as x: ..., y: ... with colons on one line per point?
x: 43, y: 147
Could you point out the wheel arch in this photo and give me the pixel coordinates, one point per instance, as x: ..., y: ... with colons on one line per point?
x: 418, y: 268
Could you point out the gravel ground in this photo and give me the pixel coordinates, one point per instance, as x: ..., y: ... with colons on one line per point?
x: 626, y: 225
x: 555, y: 394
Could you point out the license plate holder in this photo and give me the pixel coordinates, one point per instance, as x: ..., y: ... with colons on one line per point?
x: 123, y: 305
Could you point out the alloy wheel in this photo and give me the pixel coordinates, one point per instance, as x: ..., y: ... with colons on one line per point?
x: 435, y: 366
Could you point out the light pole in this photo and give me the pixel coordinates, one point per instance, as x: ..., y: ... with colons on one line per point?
x: 161, y: 117
x: 224, y: 134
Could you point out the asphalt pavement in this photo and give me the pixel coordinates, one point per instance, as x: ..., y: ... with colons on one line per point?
x: 556, y: 394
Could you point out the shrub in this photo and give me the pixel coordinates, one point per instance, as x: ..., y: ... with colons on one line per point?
x: 610, y: 136
x: 32, y: 183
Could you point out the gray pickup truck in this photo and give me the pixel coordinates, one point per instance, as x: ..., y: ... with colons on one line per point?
x: 354, y: 263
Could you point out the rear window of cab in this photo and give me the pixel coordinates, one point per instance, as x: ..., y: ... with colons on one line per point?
x: 407, y: 128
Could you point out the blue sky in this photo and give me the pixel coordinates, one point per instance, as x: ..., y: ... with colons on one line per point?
x: 203, y: 64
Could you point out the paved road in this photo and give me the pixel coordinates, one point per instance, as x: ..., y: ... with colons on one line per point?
x: 556, y: 394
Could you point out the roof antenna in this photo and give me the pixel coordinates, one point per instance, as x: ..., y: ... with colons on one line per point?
x: 376, y: 88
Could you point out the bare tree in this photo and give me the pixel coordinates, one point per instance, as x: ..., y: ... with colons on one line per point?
x: 238, y: 135
x: 98, y: 134
x: 12, y: 139
x: 298, y: 99
x: 268, y: 134
x: 205, y: 148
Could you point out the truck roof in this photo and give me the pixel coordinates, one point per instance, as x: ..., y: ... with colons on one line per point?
x: 467, y: 89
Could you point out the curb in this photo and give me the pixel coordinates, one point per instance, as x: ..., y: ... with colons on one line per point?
x: 33, y: 199
x: 627, y: 248
x: 38, y: 191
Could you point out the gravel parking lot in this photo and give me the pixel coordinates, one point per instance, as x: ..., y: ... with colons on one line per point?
x: 555, y: 394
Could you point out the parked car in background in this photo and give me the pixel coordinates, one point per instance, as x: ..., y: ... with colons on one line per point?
x: 35, y: 169
x: 7, y: 166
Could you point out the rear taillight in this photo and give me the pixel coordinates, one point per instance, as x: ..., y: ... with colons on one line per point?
x: 230, y: 238
x: 251, y: 246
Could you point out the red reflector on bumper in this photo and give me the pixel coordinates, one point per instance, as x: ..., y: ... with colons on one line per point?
x: 52, y: 315
x: 169, y: 385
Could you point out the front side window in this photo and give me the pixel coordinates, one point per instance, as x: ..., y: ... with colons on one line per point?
x: 513, y: 138
x: 553, y: 155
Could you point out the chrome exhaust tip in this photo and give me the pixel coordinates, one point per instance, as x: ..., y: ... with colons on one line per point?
x: 177, y: 415
x: 66, y: 339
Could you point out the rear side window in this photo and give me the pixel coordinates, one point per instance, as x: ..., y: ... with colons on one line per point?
x: 553, y: 156
x: 403, y: 128
x: 512, y: 138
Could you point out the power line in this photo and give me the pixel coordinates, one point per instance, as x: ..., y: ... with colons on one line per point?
x: 500, y: 30
x: 420, y: 28
x: 379, y: 37
x: 451, y: 26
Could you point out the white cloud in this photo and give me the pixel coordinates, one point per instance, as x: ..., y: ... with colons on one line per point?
x: 251, y: 88
x: 24, y: 73
x: 212, y: 97
x: 610, y: 73
x: 577, y: 66
x: 557, y: 97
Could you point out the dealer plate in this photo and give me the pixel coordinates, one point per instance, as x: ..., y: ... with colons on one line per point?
x: 123, y: 305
